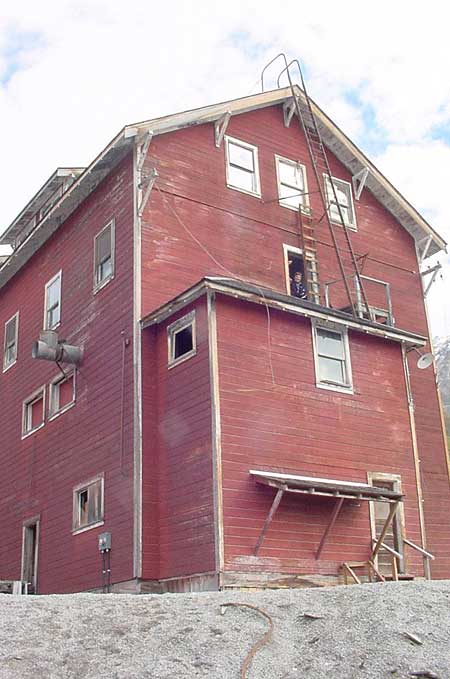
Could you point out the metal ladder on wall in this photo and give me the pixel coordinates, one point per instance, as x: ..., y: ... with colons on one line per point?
x: 322, y: 174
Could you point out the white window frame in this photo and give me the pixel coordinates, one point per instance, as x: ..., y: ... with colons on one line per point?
x: 330, y: 200
x: 54, y: 394
x: 295, y: 251
x: 98, y: 285
x: 172, y: 330
x: 7, y: 366
x: 347, y: 386
x: 81, y: 487
x: 29, y: 401
x: 304, y: 197
x: 254, y: 150
x: 47, y: 285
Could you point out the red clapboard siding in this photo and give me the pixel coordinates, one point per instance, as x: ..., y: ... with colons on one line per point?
x: 177, y: 483
x: 40, y: 472
x: 298, y: 428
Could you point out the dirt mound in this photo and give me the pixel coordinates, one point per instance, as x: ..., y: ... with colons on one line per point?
x: 358, y: 632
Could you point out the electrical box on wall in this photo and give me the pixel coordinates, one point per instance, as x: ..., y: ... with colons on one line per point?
x: 104, y: 542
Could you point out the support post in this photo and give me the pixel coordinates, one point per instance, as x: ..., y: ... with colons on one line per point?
x: 392, y: 511
x: 334, y: 515
x: 271, y: 514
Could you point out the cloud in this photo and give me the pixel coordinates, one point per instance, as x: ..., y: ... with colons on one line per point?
x: 74, y: 72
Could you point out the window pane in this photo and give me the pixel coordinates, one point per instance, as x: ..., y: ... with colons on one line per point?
x: 290, y: 174
x: 242, y: 179
x: 104, y: 270
x: 290, y: 196
x: 331, y: 370
x: 53, y: 293
x: 238, y: 155
x: 83, y: 507
x: 10, y: 331
x: 103, y: 243
x: 183, y: 342
x: 330, y: 344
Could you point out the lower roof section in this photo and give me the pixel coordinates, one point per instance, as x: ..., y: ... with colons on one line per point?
x: 325, y: 487
x: 249, y: 292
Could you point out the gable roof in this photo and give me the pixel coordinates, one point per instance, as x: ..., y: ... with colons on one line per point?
x: 88, y: 179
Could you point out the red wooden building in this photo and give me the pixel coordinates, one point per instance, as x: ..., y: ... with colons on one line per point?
x: 220, y: 421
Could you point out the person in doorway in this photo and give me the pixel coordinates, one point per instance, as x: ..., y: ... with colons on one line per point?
x: 297, y: 287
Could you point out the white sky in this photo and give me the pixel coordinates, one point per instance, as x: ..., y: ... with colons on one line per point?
x: 74, y: 72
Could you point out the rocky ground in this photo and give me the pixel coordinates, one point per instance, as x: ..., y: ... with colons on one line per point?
x: 377, y: 631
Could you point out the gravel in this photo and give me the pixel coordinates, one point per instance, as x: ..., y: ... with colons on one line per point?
x: 357, y: 632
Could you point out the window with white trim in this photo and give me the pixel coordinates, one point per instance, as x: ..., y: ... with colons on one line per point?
x: 104, y: 256
x: 332, y: 357
x: 292, y: 187
x: 33, y: 412
x: 88, y: 504
x: 242, y: 167
x: 62, y: 394
x: 181, y: 339
x: 52, y: 305
x: 344, y: 199
x: 10, y: 341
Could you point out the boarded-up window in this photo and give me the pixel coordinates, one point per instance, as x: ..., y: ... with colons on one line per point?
x: 88, y: 504
x: 52, y: 314
x: 104, y: 256
x: 62, y: 394
x: 33, y: 412
x: 10, y: 341
x: 181, y: 339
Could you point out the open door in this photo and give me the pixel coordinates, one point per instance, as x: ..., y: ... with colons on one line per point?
x: 30, y: 551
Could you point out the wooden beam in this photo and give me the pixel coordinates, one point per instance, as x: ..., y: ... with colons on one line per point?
x: 334, y: 515
x: 392, y: 511
x: 271, y: 514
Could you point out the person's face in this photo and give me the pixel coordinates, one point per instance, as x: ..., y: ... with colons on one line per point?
x: 298, y: 277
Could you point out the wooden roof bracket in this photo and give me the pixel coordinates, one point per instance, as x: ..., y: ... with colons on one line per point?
x: 147, y: 183
x: 434, y: 270
x: 142, y: 150
x: 220, y: 128
x: 334, y: 514
x: 270, y: 515
x: 288, y: 111
x: 423, y: 251
x: 359, y: 181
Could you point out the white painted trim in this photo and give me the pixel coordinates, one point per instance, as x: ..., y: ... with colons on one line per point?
x: 139, y: 155
x: 254, y: 150
x: 56, y: 382
x: 75, y: 494
x: 99, y: 285
x: 172, y: 330
x: 295, y: 251
x: 47, y: 285
x: 342, y: 330
x: 16, y: 342
x: 35, y: 396
x: 353, y: 226
x: 304, y: 200
x: 216, y: 435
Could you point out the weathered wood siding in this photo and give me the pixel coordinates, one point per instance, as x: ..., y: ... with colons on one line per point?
x: 194, y: 225
x: 283, y: 422
x: 178, y: 513
x: 40, y: 472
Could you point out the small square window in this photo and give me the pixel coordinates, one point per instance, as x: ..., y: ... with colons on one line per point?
x: 10, y: 342
x: 33, y: 412
x: 344, y: 197
x: 242, y: 166
x: 88, y: 504
x: 292, y: 188
x: 62, y: 394
x: 332, y: 358
x: 104, y: 256
x: 181, y: 339
x: 52, y: 306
